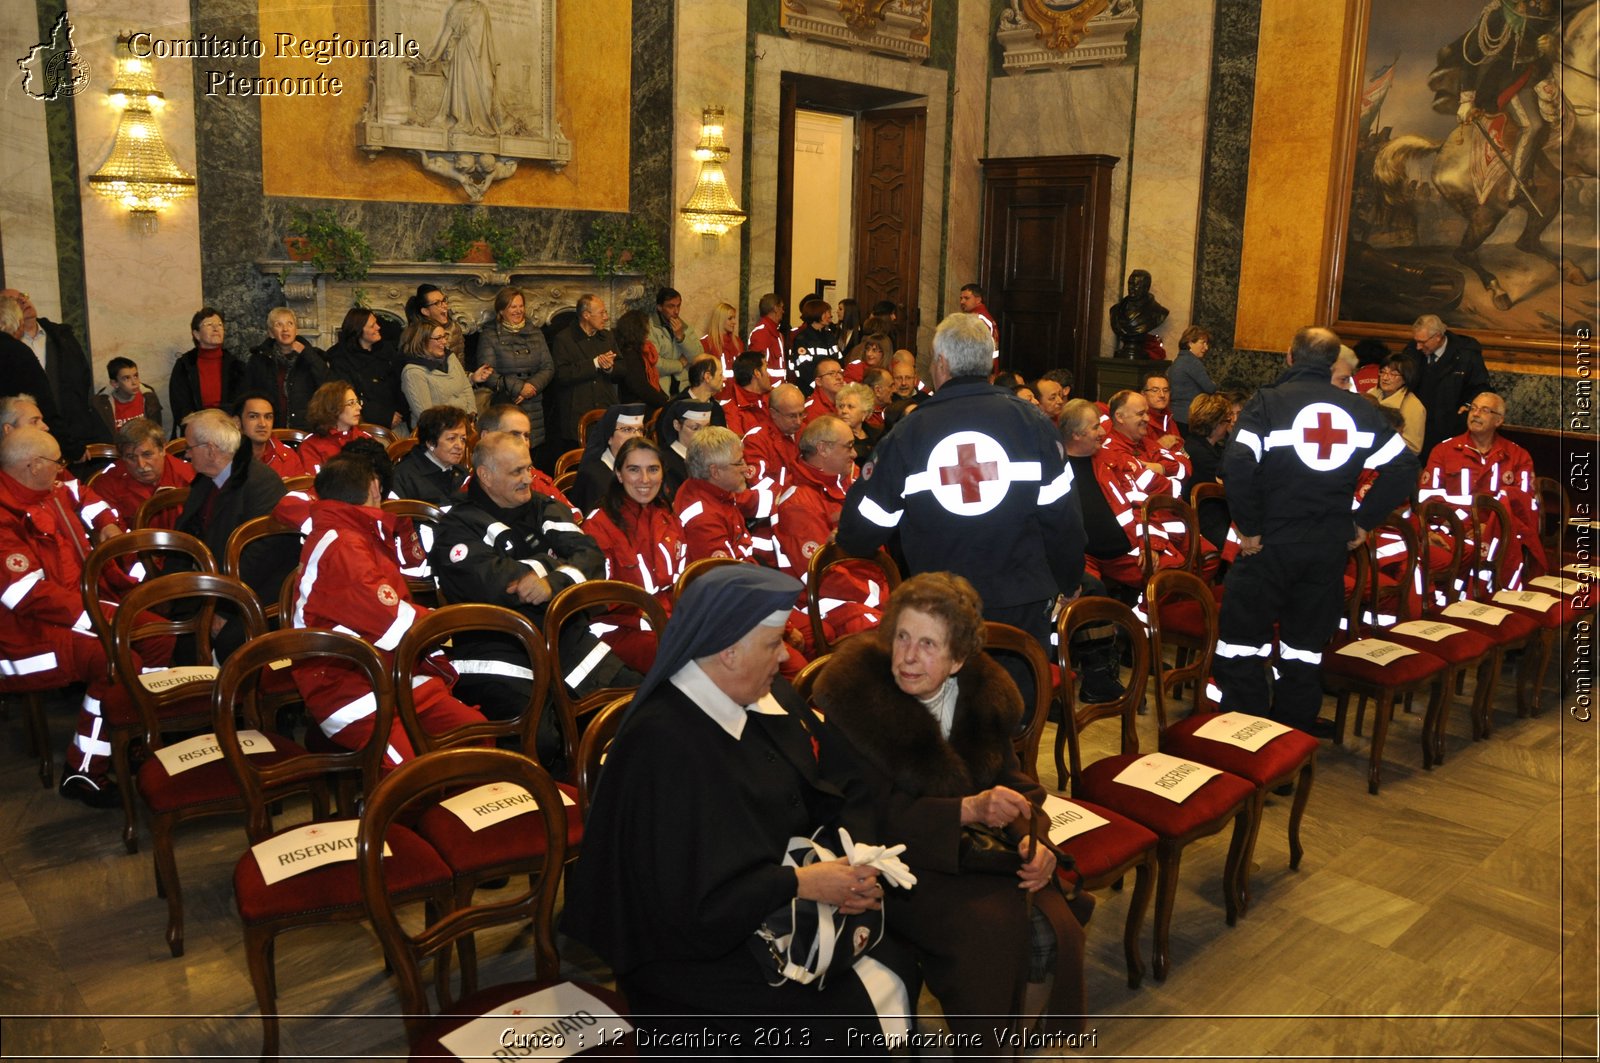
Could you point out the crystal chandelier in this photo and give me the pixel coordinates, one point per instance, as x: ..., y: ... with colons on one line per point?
x: 141, y: 173
x: 711, y: 210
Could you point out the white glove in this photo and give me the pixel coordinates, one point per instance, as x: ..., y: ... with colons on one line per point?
x: 1468, y: 102
x: 885, y: 858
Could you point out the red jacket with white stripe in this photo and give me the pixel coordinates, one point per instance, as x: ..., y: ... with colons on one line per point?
x: 767, y: 337
x: 744, y: 410
x: 820, y: 404
x: 352, y: 583
x: 317, y: 448
x: 1120, y: 470
x: 43, y: 542
x: 1456, y: 471
x: 282, y: 459
x: 646, y: 547
x: 712, y: 524
x: 774, y: 456
x: 126, y: 494
x: 852, y: 595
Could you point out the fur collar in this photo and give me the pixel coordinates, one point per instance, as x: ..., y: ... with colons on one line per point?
x: 899, y: 736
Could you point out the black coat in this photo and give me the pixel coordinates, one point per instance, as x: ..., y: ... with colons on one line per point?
x: 72, y: 422
x: 1457, y: 379
x: 580, y: 386
x: 417, y: 476
x: 375, y: 376
x: 184, y: 388
x: 307, y: 373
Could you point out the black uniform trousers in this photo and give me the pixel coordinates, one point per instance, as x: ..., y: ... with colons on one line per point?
x: 1299, y: 587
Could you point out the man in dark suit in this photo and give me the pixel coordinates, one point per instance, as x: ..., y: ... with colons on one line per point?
x: 65, y: 403
x: 1452, y: 373
x: 586, y: 374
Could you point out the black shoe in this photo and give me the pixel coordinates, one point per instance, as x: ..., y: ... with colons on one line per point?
x: 1097, y: 687
x: 1320, y: 729
x: 1285, y: 790
x: 95, y: 792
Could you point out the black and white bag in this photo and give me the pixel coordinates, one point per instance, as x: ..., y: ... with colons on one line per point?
x: 806, y: 941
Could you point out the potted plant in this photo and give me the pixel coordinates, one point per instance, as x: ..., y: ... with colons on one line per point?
x: 471, y: 236
x: 625, y: 245
x: 330, y: 246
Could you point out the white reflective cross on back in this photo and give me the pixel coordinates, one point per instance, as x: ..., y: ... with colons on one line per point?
x: 969, y: 474
x: 1324, y: 436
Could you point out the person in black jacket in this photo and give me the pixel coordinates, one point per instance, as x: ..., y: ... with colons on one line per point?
x: 65, y: 402
x: 370, y: 363
x: 207, y: 375
x: 286, y: 367
x: 231, y: 487
x: 433, y: 470
x: 1452, y: 376
x: 586, y: 369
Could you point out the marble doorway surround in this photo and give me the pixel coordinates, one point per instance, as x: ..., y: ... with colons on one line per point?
x: 777, y: 56
x: 319, y: 300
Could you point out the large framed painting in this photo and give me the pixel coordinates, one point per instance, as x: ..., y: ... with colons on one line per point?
x: 1468, y: 173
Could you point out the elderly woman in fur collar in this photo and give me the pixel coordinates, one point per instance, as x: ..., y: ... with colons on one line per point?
x: 932, y: 717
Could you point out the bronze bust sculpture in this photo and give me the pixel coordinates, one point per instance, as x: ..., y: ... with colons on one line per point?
x: 1135, y: 317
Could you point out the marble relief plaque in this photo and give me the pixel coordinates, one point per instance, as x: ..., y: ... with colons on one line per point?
x: 478, y: 101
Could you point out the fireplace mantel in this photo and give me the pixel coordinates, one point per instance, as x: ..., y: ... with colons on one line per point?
x: 320, y: 300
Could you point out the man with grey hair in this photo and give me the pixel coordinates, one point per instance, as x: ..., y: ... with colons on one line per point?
x: 585, y: 356
x: 46, y: 641
x: 976, y: 483
x: 707, y: 503
x: 143, y: 469
x: 1452, y: 373
x: 21, y: 411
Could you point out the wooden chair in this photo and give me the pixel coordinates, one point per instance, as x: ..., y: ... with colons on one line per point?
x: 829, y: 557
x: 166, y: 500
x: 1035, y: 702
x: 586, y: 421
x: 331, y: 893
x: 408, y: 950
x: 400, y: 447
x: 566, y: 481
x: 1491, y: 522
x: 695, y: 569
x: 1398, y: 675
x: 38, y: 726
x: 292, y: 436
x: 1555, y: 510
x: 806, y: 678
x: 102, y: 456
x: 378, y: 432
x: 424, y: 517
x: 1289, y: 758
x: 569, y: 460
x: 179, y: 700
x: 177, y: 447
x: 574, y: 603
x: 1222, y: 799
x: 305, y: 482
x: 250, y: 532
x: 123, y: 724
x: 1167, y: 512
x: 592, y: 748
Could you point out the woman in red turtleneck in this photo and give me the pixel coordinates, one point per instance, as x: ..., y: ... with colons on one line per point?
x: 334, y: 414
x: 207, y: 375
x: 643, y: 542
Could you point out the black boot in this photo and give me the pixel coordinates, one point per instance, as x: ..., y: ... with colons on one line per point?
x: 1099, y: 671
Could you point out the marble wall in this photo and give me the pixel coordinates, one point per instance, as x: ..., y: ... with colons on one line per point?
x: 968, y: 128
x: 27, y: 221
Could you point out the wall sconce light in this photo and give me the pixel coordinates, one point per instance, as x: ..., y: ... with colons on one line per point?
x: 711, y: 210
x: 141, y: 173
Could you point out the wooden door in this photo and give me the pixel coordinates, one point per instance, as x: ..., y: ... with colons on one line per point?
x: 888, y: 214
x: 1045, y: 221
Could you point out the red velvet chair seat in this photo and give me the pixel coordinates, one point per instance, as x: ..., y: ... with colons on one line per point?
x: 210, y: 783
x: 1514, y: 628
x: 485, y: 1001
x: 1184, y: 618
x: 119, y: 711
x: 1412, y: 668
x: 1167, y: 818
x: 511, y: 840
x: 412, y: 865
x: 1106, y: 848
x: 1272, y: 761
x: 1456, y: 649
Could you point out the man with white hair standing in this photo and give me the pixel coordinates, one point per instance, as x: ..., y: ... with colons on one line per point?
x: 976, y: 483
x: 68, y: 382
x: 1452, y: 373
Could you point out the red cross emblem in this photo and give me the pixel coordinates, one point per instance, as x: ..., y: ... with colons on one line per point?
x: 969, y: 472
x: 1324, y: 435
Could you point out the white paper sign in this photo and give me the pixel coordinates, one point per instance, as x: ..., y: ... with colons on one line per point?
x: 1241, y: 729
x: 312, y: 846
x: 1564, y: 587
x: 203, y: 749
x: 1483, y: 614
x: 1068, y: 819
x: 1171, y: 777
x: 1538, y: 601
x: 167, y: 678
x: 490, y: 804
x: 551, y: 1024
x: 1376, y: 650
x: 1432, y: 630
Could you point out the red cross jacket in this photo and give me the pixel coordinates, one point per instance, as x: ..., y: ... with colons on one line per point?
x: 852, y: 595
x: 318, y: 448
x: 352, y: 583
x: 712, y: 523
x: 729, y: 351
x: 744, y: 410
x: 646, y: 547
x: 1119, y: 468
x: 281, y: 458
x: 819, y: 404
x: 767, y: 337
x: 1456, y: 472
x: 774, y: 456
x: 126, y: 494
x: 1175, y: 464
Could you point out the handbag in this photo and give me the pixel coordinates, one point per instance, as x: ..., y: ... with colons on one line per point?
x: 995, y: 850
x: 806, y: 941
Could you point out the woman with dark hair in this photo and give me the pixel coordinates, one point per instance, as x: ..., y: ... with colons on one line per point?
x: 597, y: 469
x: 429, y: 376
x: 871, y: 351
x: 435, y: 469
x: 643, y: 542
x: 207, y: 375
x: 431, y: 304
x: 364, y: 359
x: 931, y: 717
x: 1187, y: 376
x: 674, y: 346
x: 515, y: 350
x: 637, y: 358
x: 848, y: 331
x: 333, y: 416
x: 1396, y: 379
